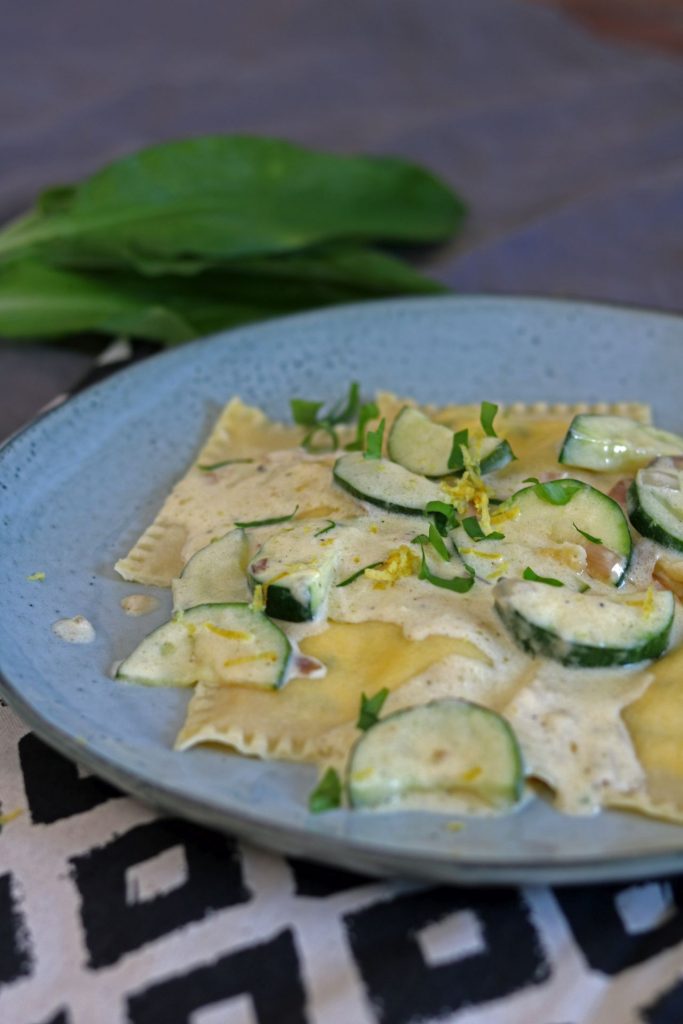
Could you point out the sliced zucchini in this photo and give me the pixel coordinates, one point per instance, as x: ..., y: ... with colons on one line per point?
x: 424, y: 447
x: 216, y: 574
x: 615, y: 443
x: 586, y: 630
x: 419, y: 444
x: 220, y: 643
x: 446, y: 748
x: 530, y: 524
x: 385, y: 483
x: 295, y: 568
x: 494, y: 453
x: 655, y: 502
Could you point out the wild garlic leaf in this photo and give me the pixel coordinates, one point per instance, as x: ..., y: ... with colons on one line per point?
x: 177, y: 206
x: 370, y: 708
x: 456, y: 460
x: 529, y: 574
x: 327, y: 795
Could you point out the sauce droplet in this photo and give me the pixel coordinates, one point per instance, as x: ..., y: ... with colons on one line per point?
x: 74, y: 631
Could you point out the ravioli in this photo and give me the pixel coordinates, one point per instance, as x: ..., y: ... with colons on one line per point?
x: 594, y: 737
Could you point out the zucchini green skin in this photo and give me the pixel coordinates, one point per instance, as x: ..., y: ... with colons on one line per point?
x: 300, y: 565
x: 282, y: 604
x: 394, y: 488
x: 432, y: 749
x: 537, y: 639
x: 499, y: 456
x: 615, y: 443
x: 645, y: 523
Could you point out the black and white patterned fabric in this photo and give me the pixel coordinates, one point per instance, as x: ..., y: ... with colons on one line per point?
x: 110, y: 913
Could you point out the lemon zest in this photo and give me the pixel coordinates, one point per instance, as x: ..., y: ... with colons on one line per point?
x: 262, y: 656
x: 399, y: 563
x: 228, y: 634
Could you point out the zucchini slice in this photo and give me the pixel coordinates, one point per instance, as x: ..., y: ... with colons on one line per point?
x: 448, y: 747
x: 586, y: 630
x: 615, y: 443
x: 424, y: 447
x: 295, y: 568
x: 531, y: 524
x: 385, y: 483
x: 222, y: 643
x: 494, y: 453
x: 655, y: 502
x: 419, y: 444
x: 216, y: 574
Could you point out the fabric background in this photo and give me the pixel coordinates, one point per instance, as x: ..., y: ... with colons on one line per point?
x: 570, y: 153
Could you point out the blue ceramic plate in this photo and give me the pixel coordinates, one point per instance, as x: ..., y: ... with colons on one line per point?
x: 78, y: 486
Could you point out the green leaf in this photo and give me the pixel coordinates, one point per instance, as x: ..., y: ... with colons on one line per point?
x: 327, y: 794
x: 349, y: 410
x: 305, y: 413
x: 355, y: 575
x: 588, y: 536
x: 219, y: 465
x: 445, y: 516
x: 369, y: 411
x: 531, y: 480
x: 373, y: 442
x: 558, y: 492
x: 326, y: 529
x: 370, y: 708
x: 584, y: 587
x: 436, y: 540
x: 474, y: 531
x: 269, y: 522
x: 458, y: 584
x: 216, y: 198
x: 460, y: 440
x: 529, y: 574
x: 486, y: 418
x: 307, y: 442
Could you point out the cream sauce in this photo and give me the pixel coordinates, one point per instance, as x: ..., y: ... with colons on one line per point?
x: 77, y: 630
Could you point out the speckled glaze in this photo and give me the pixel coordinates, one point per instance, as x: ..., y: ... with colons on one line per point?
x: 79, y: 485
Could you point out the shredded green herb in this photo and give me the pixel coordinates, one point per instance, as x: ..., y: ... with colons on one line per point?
x: 370, y: 708
x: 474, y: 531
x: 268, y: 522
x: 584, y: 587
x: 369, y: 411
x: 327, y: 794
x: 486, y: 418
x: 588, y: 536
x: 445, y: 518
x: 355, y: 575
x: 306, y: 413
x: 459, y: 584
x: 373, y: 442
x: 558, y: 492
x: 529, y: 574
x: 326, y: 529
x: 219, y: 465
x: 456, y: 459
x: 531, y: 480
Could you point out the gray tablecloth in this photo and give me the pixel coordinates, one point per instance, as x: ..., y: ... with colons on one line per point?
x: 570, y: 152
